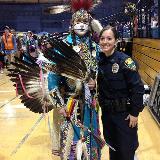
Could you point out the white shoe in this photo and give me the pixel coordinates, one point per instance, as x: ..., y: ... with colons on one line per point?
x: 1, y: 71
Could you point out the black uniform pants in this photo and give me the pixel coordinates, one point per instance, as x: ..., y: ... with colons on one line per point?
x: 119, y: 135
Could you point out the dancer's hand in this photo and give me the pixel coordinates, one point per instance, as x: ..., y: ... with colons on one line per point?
x: 63, y: 112
x: 91, y: 84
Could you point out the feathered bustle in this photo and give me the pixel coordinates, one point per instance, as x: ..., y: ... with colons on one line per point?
x: 26, y: 78
x: 69, y: 63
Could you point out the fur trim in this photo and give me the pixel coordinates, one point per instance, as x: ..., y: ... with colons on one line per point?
x: 96, y: 26
x: 81, y: 149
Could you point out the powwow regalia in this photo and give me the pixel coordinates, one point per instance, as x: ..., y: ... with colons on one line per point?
x: 59, y: 80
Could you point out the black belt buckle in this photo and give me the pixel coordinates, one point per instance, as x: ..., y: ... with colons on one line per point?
x: 123, y: 106
x: 115, y: 106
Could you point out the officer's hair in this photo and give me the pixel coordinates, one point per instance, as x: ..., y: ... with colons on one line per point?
x: 113, y: 29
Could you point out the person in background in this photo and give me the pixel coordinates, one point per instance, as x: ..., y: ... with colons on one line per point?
x: 8, y: 45
x: 13, y: 32
x: 31, y: 47
x: 154, y: 27
x: 1, y: 62
x: 1, y: 59
x: 135, y: 26
x: 120, y: 97
x: 154, y: 22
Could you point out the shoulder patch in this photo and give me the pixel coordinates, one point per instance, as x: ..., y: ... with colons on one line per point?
x: 130, y: 64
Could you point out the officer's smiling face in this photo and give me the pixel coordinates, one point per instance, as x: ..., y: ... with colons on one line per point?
x: 107, y: 42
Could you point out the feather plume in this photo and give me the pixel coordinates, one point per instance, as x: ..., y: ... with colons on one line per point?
x: 98, y: 139
x: 81, y: 150
x: 81, y: 4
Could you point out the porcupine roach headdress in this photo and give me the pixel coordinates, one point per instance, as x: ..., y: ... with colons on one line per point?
x: 81, y: 4
x: 81, y: 9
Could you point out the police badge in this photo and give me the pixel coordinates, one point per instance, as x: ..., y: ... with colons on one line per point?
x: 115, y: 68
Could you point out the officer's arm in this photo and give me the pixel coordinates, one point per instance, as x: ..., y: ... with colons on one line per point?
x: 135, y: 86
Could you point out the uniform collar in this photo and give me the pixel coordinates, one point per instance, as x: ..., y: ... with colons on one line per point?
x: 104, y: 58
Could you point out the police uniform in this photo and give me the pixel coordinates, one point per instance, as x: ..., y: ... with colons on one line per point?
x: 120, y: 94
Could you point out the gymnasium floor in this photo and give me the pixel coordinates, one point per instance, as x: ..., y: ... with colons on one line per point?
x: 25, y: 135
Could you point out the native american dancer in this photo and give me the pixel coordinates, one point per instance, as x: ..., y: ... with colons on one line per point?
x: 72, y: 65
x: 80, y: 100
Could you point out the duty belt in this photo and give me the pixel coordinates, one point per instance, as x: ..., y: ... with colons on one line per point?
x: 116, y: 105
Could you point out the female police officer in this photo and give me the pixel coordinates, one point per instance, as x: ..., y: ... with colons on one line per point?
x: 120, y: 97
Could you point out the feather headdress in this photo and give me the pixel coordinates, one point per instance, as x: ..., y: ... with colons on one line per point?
x: 80, y: 9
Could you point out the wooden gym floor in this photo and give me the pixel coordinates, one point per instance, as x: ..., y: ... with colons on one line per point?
x: 25, y: 135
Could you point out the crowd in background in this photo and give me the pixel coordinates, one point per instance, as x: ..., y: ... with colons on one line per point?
x: 23, y: 44
x: 27, y: 44
x: 19, y: 44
